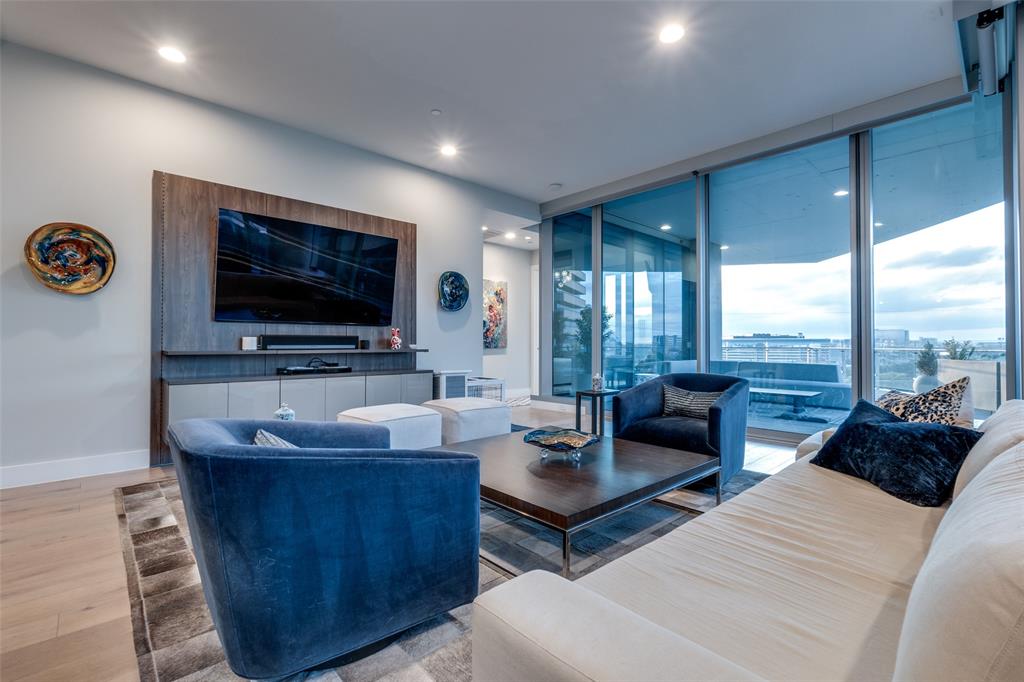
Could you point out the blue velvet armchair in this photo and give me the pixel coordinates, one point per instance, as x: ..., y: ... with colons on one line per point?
x: 308, y: 554
x: 636, y: 416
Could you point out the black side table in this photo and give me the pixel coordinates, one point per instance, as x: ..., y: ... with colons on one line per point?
x: 596, y: 409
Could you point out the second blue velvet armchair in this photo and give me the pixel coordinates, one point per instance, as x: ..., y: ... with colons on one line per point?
x: 637, y: 416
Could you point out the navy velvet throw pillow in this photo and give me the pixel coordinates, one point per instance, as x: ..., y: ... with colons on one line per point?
x: 914, y: 461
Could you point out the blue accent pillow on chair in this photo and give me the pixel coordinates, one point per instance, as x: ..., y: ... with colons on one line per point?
x: 916, y: 462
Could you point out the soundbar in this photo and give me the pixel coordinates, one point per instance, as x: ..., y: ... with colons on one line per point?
x: 303, y: 342
x: 325, y: 369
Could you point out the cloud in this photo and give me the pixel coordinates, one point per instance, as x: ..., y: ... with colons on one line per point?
x: 903, y: 301
x: 939, y: 281
x: 953, y: 259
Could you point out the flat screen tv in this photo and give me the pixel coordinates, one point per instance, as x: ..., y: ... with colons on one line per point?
x: 276, y: 270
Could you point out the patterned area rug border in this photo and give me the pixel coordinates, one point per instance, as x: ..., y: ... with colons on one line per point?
x: 173, y: 633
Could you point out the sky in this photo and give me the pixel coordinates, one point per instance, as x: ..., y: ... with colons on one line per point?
x: 943, y: 281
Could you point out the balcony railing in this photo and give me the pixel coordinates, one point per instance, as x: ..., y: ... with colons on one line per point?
x: 895, y: 367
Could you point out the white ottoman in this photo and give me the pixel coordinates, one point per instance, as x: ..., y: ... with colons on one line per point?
x: 412, y: 427
x: 471, y: 418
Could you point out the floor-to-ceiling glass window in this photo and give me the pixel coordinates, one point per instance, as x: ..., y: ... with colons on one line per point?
x: 571, y: 246
x: 779, y: 284
x: 648, y: 286
x: 939, y: 248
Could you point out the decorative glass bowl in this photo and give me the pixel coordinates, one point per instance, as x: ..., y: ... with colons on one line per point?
x: 566, y: 442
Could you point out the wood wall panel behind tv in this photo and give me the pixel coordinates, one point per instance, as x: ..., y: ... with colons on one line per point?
x: 185, y: 229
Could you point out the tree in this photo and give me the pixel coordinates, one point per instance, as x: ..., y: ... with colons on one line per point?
x: 559, y: 338
x: 927, y: 360
x: 585, y: 324
x: 958, y: 350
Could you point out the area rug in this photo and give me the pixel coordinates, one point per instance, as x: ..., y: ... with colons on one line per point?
x: 174, y: 636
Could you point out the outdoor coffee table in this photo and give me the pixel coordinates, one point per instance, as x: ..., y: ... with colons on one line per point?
x: 799, y: 398
x: 612, y: 476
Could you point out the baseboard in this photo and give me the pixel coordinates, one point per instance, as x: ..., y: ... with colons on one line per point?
x: 17, y: 475
x: 517, y: 397
x: 542, y: 404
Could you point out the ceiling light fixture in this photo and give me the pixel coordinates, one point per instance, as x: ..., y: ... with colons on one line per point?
x: 555, y: 186
x: 510, y: 235
x: 529, y: 239
x: 671, y: 33
x: 484, y: 228
x: 879, y: 224
x: 435, y: 112
x: 172, y: 54
x: 666, y: 227
x: 449, y: 150
x: 724, y: 247
x: 840, y: 193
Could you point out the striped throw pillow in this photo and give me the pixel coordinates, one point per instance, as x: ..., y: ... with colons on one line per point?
x: 269, y: 440
x: 678, y: 402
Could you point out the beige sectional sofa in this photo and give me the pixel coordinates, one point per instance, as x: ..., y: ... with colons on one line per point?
x: 810, y: 575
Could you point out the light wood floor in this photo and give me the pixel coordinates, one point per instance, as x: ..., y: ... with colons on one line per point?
x: 63, y: 597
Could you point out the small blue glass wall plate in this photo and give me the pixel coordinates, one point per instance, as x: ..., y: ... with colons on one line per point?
x: 452, y: 290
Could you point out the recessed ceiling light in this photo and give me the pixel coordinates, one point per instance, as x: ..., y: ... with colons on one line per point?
x: 435, y: 112
x: 172, y: 54
x: 449, y: 150
x: 879, y: 224
x: 666, y: 227
x: 840, y: 193
x: 510, y: 235
x: 484, y: 228
x: 724, y: 247
x: 529, y: 239
x: 555, y: 186
x: 671, y: 33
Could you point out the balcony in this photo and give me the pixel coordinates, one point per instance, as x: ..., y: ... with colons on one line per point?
x: 804, y: 388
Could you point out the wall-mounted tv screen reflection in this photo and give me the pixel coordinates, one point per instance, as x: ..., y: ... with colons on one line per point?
x: 281, y: 271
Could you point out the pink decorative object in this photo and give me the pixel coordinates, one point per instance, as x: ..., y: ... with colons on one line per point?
x: 396, y: 340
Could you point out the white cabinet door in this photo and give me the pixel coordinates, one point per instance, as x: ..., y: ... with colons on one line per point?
x: 383, y: 389
x: 189, y: 401
x: 305, y: 396
x: 417, y: 388
x: 253, y: 399
x: 344, y: 393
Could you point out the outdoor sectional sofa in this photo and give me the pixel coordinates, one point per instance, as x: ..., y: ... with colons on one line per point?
x: 791, y: 376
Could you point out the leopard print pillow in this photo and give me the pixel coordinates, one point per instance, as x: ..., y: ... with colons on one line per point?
x: 939, y: 406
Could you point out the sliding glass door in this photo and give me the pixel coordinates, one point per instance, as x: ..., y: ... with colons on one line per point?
x: 572, y: 273
x: 779, y: 284
x: 939, y: 244
x: 649, y: 285
x: 931, y: 261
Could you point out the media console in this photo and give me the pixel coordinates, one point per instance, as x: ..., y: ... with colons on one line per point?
x: 314, y: 398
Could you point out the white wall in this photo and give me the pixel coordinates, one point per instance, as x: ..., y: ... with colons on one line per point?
x: 81, y: 144
x: 512, y: 363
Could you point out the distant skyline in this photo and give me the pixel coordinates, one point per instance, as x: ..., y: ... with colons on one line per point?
x: 943, y: 281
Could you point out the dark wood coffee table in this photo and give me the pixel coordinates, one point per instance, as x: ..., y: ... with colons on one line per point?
x: 612, y: 476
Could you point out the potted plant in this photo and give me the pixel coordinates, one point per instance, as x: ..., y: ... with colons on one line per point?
x: 958, y: 350
x: 927, y: 369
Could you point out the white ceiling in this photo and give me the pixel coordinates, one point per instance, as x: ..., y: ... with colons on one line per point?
x: 579, y: 93
x: 526, y: 237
